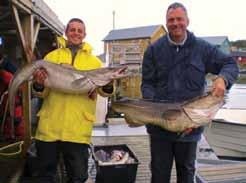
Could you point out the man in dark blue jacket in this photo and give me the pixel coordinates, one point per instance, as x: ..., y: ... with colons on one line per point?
x: 174, y: 69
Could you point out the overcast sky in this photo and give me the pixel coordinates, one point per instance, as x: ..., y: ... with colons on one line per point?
x: 207, y: 17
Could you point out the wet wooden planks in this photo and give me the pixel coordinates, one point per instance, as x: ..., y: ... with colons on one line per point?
x: 230, y: 172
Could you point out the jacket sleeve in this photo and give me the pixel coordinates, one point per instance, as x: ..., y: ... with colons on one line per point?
x: 38, y: 90
x: 148, y: 74
x: 222, y: 64
x: 107, y: 90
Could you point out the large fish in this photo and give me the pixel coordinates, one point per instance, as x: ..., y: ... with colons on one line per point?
x: 65, y: 79
x: 173, y: 117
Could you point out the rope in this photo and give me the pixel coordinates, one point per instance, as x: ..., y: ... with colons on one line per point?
x: 7, y: 154
x: 5, y: 114
x: 5, y: 111
x: 2, y: 97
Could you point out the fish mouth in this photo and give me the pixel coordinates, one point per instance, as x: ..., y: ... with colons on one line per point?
x: 123, y: 70
x: 120, y: 73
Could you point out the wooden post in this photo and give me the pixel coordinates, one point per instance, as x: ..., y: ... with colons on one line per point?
x: 28, y: 32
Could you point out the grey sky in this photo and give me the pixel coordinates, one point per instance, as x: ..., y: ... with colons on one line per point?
x: 207, y: 17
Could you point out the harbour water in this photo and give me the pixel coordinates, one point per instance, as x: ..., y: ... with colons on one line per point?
x: 236, y: 97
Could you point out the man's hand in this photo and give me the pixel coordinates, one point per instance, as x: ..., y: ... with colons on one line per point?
x: 218, y: 87
x: 188, y: 130
x: 92, y: 94
x: 39, y: 76
x: 185, y: 132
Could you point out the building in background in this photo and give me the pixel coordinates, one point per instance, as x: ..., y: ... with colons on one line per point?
x: 222, y: 42
x: 127, y: 46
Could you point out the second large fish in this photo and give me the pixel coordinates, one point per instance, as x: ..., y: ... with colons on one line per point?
x: 175, y: 117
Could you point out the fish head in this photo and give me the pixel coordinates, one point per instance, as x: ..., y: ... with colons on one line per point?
x: 116, y: 72
x: 103, y: 76
x: 202, y: 110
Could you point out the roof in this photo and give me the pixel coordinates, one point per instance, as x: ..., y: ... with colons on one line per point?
x: 215, y: 40
x: 130, y: 33
x: 238, y: 53
x: 48, y: 16
x: 102, y: 57
x: 41, y: 11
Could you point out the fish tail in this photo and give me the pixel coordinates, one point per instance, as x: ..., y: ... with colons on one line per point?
x: 19, y: 77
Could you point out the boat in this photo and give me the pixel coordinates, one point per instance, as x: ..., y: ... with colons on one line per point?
x: 226, y: 135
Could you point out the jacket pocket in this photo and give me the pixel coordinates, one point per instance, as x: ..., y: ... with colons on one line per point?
x: 195, y: 75
x: 88, y: 116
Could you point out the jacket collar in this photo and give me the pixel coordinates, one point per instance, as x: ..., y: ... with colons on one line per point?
x: 188, y: 41
x: 86, y: 47
x: 175, y: 43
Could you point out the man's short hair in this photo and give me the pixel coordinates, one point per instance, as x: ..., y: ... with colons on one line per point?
x: 176, y: 5
x: 74, y: 20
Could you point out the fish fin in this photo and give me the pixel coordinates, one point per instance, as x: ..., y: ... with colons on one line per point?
x: 131, y: 122
x: 171, y: 114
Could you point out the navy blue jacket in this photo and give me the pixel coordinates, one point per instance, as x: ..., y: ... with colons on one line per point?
x: 177, y: 73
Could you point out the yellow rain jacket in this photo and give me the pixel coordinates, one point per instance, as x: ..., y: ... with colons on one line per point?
x: 68, y: 117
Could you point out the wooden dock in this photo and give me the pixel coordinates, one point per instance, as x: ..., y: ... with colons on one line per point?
x: 209, y: 171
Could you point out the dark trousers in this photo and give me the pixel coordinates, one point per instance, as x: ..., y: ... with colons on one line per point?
x: 75, y: 158
x: 164, y: 152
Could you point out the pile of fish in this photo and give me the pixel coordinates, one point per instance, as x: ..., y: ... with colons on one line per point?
x: 115, y: 157
x: 175, y: 117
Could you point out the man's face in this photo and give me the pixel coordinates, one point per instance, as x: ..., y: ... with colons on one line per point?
x: 176, y: 23
x: 75, y: 33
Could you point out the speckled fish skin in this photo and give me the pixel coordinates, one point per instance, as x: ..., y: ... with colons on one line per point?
x: 65, y: 79
x: 175, y: 117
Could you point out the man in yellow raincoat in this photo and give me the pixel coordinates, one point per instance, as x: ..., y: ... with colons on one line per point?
x: 66, y: 120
